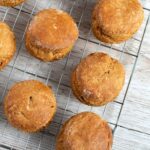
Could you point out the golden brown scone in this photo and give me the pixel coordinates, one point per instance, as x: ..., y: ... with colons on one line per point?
x: 10, y: 2
x: 98, y: 79
x: 51, y: 35
x: 85, y: 131
x: 7, y: 44
x: 114, y: 21
x: 30, y: 105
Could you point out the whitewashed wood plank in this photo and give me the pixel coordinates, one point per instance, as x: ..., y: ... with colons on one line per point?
x: 125, y: 139
x: 136, y: 110
x: 135, y: 116
x: 146, y: 44
x: 10, y: 136
x: 146, y: 3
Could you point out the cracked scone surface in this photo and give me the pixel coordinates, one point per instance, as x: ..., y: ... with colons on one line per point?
x: 114, y: 21
x: 85, y: 131
x: 6, y: 50
x: 51, y: 34
x: 10, y: 2
x: 30, y: 105
x: 98, y: 79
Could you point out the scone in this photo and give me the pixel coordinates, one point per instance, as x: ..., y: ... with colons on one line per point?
x: 51, y: 35
x: 10, y: 2
x: 114, y: 21
x: 7, y: 44
x: 98, y: 79
x: 85, y: 131
x: 30, y: 105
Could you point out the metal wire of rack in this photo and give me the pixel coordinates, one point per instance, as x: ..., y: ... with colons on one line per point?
x: 57, y: 74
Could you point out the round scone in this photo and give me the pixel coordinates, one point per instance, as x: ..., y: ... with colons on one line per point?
x: 30, y: 105
x: 114, y: 21
x: 98, y: 79
x: 51, y: 35
x: 85, y: 131
x: 7, y: 44
x: 10, y: 2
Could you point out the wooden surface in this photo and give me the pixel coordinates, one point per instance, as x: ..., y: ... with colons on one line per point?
x: 129, y: 115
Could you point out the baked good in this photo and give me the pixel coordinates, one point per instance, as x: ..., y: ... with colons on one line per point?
x: 98, y: 79
x: 85, y: 131
x: 30, y: 105
x: 10, y: 2
x: 51, y: 35
x: 114, y: 21
x: 7, y: 44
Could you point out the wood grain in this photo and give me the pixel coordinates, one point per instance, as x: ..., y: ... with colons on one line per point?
x: 136, y: 110
x: 125, y: 139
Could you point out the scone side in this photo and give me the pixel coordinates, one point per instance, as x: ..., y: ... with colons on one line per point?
x: 47, y: 56
x: 75, y: 88
x: 100, y: 35
x: 103, y: 37
x: 5, y: 61
x: 78, y: 94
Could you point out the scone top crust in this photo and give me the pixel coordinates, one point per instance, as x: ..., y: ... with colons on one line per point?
x: 30, y: 105
x: 98, y: 79
x: 7, y: 44
x: 117, y: 19
x: 85, y: 131
x: 10, y: 2
x: 52, y: 29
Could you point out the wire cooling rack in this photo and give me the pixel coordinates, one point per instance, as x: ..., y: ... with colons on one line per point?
x: 57, y: 74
